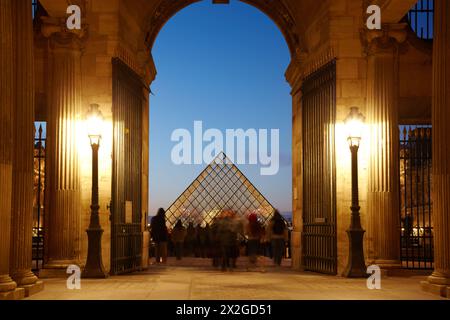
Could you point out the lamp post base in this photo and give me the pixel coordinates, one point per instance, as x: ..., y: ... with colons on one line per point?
x: 356, y: 267
x: 94, y: 264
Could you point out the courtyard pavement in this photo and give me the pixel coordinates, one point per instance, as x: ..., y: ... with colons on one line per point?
x: 193, y: 279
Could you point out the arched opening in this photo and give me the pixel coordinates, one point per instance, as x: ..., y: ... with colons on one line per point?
x: 217, y: 78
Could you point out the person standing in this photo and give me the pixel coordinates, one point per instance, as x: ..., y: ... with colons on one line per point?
x: 226, y: 239
x: 277, y: 235
x: 160, y: 235
x: 255, y: 234
x: 178, y: 236
x: 190, y: 240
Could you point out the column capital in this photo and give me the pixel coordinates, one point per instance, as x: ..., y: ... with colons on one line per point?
x: 294, y: 71
x: 60, y: 37
x: 389, y: 38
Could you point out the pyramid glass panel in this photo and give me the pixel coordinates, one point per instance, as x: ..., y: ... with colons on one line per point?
x: 221, y: 186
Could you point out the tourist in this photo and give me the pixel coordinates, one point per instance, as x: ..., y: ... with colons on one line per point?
x: 178, y: 237
x: 226, y: 239
x: 202, y: 241
x: 215, y: 249
x: 160, y: 236
x: 190, y: 240
x: 277, y: 234
x: 255, y: 234
x: 237, y: 231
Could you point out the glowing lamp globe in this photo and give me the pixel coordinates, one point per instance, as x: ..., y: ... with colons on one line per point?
x: 354, y: 124
x: 94, y: 122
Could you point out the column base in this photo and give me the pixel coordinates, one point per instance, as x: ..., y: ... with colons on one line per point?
x: 7, y: 284
x: 57, y: 269
x: 437, y: 289
x: 388, y: 267
x: 439, y: 278
x: 33, y: 288
x: 16, y: 294
x: 24, y: 278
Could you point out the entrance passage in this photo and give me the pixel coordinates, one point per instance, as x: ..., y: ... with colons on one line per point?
x: 126, y: 234
x: 319, y: 170
x: 415, y: 197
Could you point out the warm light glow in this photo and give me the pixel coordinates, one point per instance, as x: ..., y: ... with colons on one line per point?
x: 354, y: 125
x: 94, y: 123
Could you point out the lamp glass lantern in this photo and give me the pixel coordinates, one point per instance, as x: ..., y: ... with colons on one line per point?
x: 354, y: 124
x: 94, y: 123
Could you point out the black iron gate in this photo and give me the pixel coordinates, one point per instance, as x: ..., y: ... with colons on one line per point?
x: 39, y: 192
x: 415, y: 197
x: 319, y: 170
x: 126, y: 231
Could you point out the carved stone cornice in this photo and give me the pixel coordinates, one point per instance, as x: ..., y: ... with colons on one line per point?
x: 55, y: 30
x: 304, y: 64
x: 276, y: 10
x: 390, y: 37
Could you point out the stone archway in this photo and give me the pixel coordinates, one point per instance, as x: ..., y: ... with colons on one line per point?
x: 281, y: 15
x: 277, y: 11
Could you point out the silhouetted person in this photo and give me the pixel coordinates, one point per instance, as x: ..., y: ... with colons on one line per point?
x: 202, y: 241
x: 255, y: 233
x: 190, y: 240
x: 277, y: 234
x: 178, y: 237
x: 160, y: 235
x: 215, y: 242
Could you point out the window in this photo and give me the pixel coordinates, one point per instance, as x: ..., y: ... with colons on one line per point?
x: 421, y: 19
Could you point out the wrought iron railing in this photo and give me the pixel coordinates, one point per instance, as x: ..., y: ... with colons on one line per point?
x: 39, y: 195
x: 421, y: 19
x: 416, y: 206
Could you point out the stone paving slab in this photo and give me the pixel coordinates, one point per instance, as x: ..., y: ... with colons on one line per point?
x: 188, y: 283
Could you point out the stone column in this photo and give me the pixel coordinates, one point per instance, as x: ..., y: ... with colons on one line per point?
x: 294, y: 77
x: 23, y: 138
x: 439, y: 281
x: 63, y: 219
x: 382, y: 118
x: 7, y: 285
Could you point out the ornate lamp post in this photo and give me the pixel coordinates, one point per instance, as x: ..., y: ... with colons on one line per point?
x: 356, y: 267
x: 94, y: 265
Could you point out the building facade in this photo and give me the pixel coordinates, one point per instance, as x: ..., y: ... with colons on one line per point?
x: 53, y: 74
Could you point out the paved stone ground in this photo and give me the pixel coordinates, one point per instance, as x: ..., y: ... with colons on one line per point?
x: 193, y: 279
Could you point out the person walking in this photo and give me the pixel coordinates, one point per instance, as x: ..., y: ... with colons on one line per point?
x: 277, y: 235
x: 255, y: 234
x: 190, y: 241
x: 178, y: 237
x: 226, y: 239
x: 160, y: 235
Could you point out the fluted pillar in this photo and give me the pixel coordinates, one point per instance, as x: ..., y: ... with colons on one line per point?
x: 382, y: 118
x: 22, y: 174
x: 441, y: 148
x: 63, y: 184
x: 7, y: 285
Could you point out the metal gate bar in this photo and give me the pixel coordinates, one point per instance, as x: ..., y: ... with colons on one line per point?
x: 39, y: 192
x: 416, y: 234
x: 319, y: 173
x: 126, y: 231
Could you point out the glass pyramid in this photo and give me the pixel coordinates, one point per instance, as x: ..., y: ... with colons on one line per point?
x: 221, y: 186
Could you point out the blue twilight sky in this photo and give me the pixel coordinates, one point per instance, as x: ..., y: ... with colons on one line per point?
x: 223, y: 65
